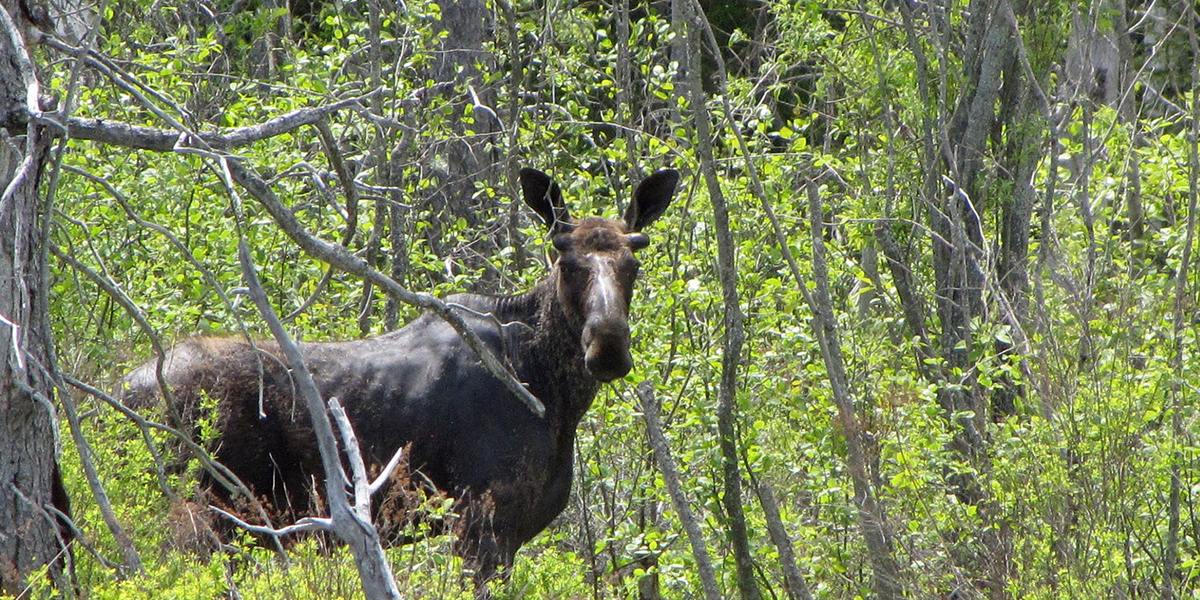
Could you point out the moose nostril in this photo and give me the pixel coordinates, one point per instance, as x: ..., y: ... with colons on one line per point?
x: 607, y: 365
x: 606, y: 348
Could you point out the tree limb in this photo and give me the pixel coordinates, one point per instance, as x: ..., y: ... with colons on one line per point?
x: 351, y: 523
x: 144, y: 138
x: 732, y: 318
x: 219, y: 472
x: 871, y: 516
x: 342, y: 258
x: 164, y: 140
x: 133, y: 561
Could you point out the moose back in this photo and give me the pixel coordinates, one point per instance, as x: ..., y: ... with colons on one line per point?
x: 509, y: 470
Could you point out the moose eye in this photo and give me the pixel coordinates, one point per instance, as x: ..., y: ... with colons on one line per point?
x: 631, y: 269
x: 572, y: 270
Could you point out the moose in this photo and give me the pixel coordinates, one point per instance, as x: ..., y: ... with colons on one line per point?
x: 421, y: 386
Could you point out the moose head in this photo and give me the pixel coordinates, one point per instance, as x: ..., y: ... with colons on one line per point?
x: 596, y: 266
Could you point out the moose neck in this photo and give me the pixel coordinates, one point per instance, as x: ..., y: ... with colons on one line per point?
x: 553, y: 364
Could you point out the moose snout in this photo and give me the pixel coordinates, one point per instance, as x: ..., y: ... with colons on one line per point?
x: 606, y: 348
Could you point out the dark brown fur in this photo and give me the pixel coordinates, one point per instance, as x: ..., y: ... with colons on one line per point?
x: 421, y: 386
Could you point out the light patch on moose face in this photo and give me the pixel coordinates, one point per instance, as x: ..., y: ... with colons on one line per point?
x: 604, y: 283
x: 605, y: 336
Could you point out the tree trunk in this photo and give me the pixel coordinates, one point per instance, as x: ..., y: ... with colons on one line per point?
x: 735, y: 334
x: 1183, y: 316
x: 670, y: 472
x: 464, y: 26
x: 30, y: 484
x: 887, y: 581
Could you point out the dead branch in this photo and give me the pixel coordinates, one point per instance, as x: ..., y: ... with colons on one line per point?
x: 219, y: 472
x: 351, y: 523
x: 164, y: 140
x: 342, y: 258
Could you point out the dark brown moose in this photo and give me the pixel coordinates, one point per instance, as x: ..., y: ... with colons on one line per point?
x: 509, y: 469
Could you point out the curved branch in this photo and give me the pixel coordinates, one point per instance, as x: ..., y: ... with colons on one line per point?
x: 164, y: 140
x: 220, y: 472
x: 146, y: 138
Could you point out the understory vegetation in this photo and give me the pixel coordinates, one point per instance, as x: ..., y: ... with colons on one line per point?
x: 959, y: 239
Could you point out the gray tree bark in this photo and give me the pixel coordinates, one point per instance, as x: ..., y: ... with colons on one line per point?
x: 350, y: 520
x: 1182, y: 316
x: 670, y: 472
x: 1000, y: 118
x: 888, y: 582
x: 29, y: 476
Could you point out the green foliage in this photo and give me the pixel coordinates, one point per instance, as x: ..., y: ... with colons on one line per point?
x: 1077, y: 477
x: 181, y: 577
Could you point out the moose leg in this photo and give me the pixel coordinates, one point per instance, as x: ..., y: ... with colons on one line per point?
x: 485, y: 546
x: 492, y: 561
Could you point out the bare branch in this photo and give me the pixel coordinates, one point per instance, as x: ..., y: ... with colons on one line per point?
x: 349, y: 188
x: 679, y: 499
x: 134, y: 311
x: 305, y: 525
x: 351, y: 523
x: 732, y: 318
x: 133, y: 561
x: 182, y: 248
x: 358, y: 470
x: 156, y: 140
x: 1181, y: 318
x: 387, y: 471
x: 342, y: 258
x: 81, y: 538
x: 793, y: 579
x: 165, y: 140
x: 220, y: 472
x: 871, y: 517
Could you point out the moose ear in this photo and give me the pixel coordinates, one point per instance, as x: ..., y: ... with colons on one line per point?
x: 651, y: 198
x: 545, y: 198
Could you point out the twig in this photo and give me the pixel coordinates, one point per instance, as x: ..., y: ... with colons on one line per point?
x: 386, y: 473
x: 358, y: 470
x: 349, y: 188
x: 219, y: 472
x: 793, y: 580
x: 167, y: 141
x: 871, y: 517
x: 164, y: 140
x: 134, y: 311
x: 305, y: 525
x: 65, y: 587
x: 1181, y: 317
x: 308, y: 302
x: 733, y: 319
x: 81, y: 538
x: 15, y: 335
x: 133, y: 561
x: 342, y: 258
x: 166, y: 233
